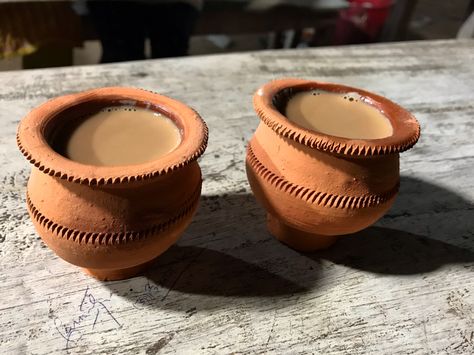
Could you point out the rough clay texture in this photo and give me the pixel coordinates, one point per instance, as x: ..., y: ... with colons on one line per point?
x: 313, y: 188
x: 110, y: 229
x: 402, y: 286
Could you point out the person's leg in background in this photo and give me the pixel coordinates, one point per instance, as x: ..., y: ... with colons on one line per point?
x: 170, y: 26
x: 121, y: 30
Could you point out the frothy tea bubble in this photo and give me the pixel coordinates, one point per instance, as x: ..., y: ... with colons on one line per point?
x: 346, y: 115
x: 122, y: 135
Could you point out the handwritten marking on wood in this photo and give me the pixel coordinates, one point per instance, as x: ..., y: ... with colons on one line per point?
x: 90, y: 310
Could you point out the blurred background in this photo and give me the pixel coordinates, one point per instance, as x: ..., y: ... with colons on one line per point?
x: 39, y: 34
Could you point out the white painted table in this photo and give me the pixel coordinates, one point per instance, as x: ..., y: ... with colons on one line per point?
x: 404, y: 286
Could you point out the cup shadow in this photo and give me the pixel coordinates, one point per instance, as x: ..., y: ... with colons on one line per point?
x: 227, y: 251
x: 426, y: 228
x: 393, y: 252
x: 206, y: 271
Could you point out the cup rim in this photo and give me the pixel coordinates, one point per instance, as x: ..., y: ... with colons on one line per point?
x: 33, y: 143
x: 406, y: 129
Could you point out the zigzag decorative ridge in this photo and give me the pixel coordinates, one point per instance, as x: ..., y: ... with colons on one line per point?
x: 326, y: 144
x: 114, y: 180
x: 101, y: 238
x: 316, y: 197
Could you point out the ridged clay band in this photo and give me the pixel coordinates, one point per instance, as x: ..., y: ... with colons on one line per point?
x: 312, y: 196
x: 33, y: 145
x: 111, y: 238
x: 405, y: 126
x: 113, y: 180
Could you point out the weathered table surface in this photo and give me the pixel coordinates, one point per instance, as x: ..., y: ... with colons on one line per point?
x: 403, y: 286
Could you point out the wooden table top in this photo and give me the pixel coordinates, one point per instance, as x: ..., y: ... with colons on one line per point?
x: 403, y: 286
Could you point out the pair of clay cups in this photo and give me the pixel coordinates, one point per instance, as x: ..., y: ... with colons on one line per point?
x: 114, y: 221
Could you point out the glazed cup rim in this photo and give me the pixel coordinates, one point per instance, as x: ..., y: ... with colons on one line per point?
x: 406, y: 129
x: 32, y: 140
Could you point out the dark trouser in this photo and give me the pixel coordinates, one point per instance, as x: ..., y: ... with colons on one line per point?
x: 122, y: 27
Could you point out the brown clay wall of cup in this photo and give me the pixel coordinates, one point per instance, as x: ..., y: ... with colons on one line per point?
x: 318, y: 170
x: 310, y: 210
x: 128, y: 218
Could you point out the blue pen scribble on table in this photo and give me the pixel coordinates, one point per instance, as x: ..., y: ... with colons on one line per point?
x: 148, y: 296
x: 91, y: 312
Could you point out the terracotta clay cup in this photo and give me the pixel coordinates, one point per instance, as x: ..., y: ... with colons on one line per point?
x: 314, y: 186
x: 110, y: 220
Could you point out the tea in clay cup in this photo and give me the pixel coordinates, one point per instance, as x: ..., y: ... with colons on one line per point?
x: 111, y: 218
x: 316, y: 186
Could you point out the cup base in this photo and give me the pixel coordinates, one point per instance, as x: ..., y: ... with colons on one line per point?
x: 297, y: 239
x: 118, y: 274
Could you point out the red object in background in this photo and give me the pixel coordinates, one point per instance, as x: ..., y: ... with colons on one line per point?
x: 362, y: 21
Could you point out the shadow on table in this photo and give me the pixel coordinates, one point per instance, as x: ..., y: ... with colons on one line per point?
x: 211, y: 272
x: 228, y: 262
x: 421, y: 205
x: 393, y: 252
